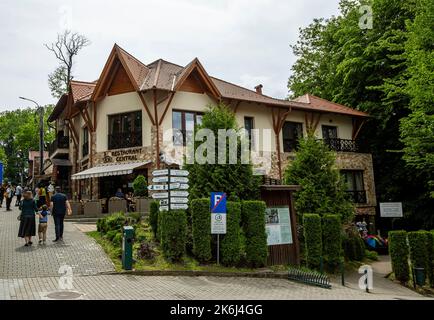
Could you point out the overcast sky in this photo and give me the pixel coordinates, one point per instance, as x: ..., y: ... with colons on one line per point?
x: 242, y: 41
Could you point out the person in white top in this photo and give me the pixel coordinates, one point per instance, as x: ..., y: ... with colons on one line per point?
x: 18, y: 193
x: 50, y: 190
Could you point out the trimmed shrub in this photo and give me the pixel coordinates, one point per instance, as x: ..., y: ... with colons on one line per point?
x: 115, y: 221
x: 360, y: 248
x: 419, y: 252
x: 140, y: 186
x: 431, y: 257
x: 253, y: 221
x: 349, y: 248
x: 160, y: 225
x: 201, y: 226
x: 153, y: 217
x: 173, y: 233
x: 230, y: 246
x: 398, y: 251
x: 313, y: 240
x: 332, y: 240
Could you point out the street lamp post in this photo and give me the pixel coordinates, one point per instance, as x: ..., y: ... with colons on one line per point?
x: 41, y: 134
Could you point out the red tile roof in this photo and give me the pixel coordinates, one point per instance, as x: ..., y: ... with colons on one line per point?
x: 81, y: 90
x: 327, y: 106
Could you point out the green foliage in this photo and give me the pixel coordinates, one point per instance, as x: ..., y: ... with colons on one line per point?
x: 237, y: 180
x: 419, y: 253
x: 430, y: 246
x: 20, y: 133
x: 253, y: 221
x: 153, y: 217
x: 201, y: 226
x: 386, y: 71
x: 332, y: 240
x: 417, y: 130
x: 230, y: 246
x: 173, y: 234
x: 322, y: 191
x: 313, y: 239
x: 398, y: 250
x: 115, y: 221
x: 140, y: 186
x: 371, y: 255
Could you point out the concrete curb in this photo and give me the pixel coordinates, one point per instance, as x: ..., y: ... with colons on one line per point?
x: 192, y: 273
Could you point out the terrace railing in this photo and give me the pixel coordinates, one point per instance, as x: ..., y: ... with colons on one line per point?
x: 61, y: 142
x: 122, y: 140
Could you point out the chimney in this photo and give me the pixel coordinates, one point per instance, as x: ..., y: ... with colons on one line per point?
x: 258, y: 88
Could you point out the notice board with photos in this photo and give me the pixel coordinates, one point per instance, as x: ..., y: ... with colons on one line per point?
x: 278, y: 225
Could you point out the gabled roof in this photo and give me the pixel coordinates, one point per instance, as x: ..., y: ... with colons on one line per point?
x: 320, y: 104
x: 164, y: 75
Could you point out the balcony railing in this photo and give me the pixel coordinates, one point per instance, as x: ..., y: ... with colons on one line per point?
x: 122, y: 140
x: 61, y: 142
x: 357, y: 196
x: 342, y: 145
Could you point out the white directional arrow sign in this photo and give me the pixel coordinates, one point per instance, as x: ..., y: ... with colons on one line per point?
x: 183, y: 186
x: 157, y: 173
x: 178, y: 200
x: 161, y: 195
x: 179, y: 179
x: 157, y: 187
x: 179, y: 173
x: 179, y: 194
x: 177, y: 206
x: 164, y: 208
x: 160, y: 179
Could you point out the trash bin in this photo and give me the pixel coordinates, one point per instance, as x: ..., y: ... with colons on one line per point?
x: 127, y: 248
x: 419, y: 274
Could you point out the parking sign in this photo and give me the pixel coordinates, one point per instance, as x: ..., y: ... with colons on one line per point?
x: 218, y: 213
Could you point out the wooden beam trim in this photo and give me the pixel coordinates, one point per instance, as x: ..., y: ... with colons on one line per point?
x: 157, y: 129
x: 359, y: 127
x: 142, y: 98
x: 167, y: 108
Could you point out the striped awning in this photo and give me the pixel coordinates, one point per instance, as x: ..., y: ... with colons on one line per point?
x: 109, y: 170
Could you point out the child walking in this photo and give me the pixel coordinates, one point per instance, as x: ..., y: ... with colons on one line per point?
x: 43, y: 223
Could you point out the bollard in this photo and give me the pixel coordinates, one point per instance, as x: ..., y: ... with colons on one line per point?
x: 127, y: 248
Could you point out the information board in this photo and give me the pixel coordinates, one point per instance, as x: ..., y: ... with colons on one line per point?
x: 278, y: 226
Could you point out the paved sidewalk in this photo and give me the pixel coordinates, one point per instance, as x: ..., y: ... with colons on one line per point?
x: 32, y: 273
x: 79, y: 251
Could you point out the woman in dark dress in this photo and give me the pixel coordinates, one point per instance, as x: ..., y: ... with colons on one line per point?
x: 27, y: 222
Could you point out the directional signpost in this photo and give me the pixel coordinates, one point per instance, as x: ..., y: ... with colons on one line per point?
x: 218, y: 217
x: 167, y: 180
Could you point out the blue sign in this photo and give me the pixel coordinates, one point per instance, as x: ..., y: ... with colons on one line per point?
x: 1, y: 172
x: 218, y: 202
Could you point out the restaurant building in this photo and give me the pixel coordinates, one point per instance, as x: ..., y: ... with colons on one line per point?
x: 110, y: 130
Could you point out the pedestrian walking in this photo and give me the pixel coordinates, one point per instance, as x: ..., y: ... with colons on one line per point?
x: 59, y: 206
x: 28, y: 209
x: 8, y: 195
x: 50, y: 190
x: 43, y: 224
x: 2, y: 193
x: 18, y: 193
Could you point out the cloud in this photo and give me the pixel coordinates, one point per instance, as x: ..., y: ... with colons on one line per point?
x: 242, y: 41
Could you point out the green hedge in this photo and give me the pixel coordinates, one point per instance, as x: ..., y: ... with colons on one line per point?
x: 153, y: 217
x: 430, y: 244
x: 230, y: 246
x: 313, y: 240
x: 419, y: 251
x: 201, y: 229
x: 159, y: 225
x: 332, y: 240
x: 253, y: 221
x: 173, y: 233
x: 398, y: 251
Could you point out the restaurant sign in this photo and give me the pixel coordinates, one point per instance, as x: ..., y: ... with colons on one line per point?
x: 122, y: 155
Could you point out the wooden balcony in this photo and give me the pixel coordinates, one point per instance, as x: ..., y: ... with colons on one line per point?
x: 60, y: 145
x: 342, y: 145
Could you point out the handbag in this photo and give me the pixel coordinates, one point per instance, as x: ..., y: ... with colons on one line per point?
x: 19, y: 217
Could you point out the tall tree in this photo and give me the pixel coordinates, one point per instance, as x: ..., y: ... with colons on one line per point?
x: 18, y: 135
x: 237, y: 179
x: 65, y: 49
x: 322, y: 189
x: 367, y: 69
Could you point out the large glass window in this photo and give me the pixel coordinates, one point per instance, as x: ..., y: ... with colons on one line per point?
x: 183, y: 123
x: 329, y: 132
x: 249, y: 126
x: 292, y: 132
x: 125, y: 130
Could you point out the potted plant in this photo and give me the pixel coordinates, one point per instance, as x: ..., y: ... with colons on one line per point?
x: 140, y: 187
